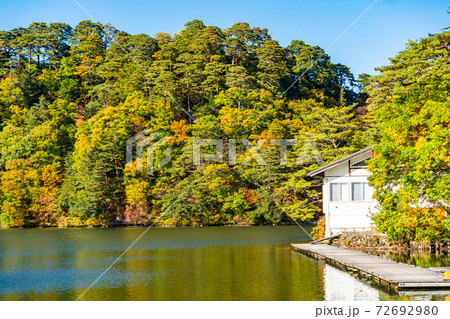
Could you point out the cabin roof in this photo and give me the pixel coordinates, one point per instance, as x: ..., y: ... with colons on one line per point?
x: 340, y: 161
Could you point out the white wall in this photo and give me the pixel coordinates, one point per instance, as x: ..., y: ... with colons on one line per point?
x: 340, y: 170
x: 346, y: 214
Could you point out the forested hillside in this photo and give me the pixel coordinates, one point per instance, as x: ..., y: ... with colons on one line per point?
x: 70, y: 98
x: 410, y: 111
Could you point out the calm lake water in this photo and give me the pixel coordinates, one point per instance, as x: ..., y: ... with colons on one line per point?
x: 209, y: 263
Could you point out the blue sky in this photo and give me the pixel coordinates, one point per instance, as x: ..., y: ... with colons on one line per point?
x: 380, y: 34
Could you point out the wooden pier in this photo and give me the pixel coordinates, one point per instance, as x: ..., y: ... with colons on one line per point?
x: 382, y: 271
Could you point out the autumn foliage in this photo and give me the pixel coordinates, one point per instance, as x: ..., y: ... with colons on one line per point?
x: 70, y: 98
x: 409, y: 107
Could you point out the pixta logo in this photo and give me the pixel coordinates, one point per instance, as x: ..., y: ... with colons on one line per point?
x: 307, y: 155
x: 143, y: 142
x: 149, y: 144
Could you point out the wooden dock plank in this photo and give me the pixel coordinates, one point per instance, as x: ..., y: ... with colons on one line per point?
x: 399, y: 275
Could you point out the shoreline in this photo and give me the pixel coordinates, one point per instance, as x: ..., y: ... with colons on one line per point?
x: 372, y: 241
x: 146, y: 226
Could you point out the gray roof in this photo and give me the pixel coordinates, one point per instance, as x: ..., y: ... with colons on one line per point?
x: 336, y: 163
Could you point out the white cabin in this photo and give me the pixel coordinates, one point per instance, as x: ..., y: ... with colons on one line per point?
x: 346, y: 194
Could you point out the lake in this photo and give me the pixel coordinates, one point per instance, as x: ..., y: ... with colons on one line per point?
x: 208, y: 263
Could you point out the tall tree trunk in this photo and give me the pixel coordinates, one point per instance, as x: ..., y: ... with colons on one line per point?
x: 29, y: 58
x: 188, y: 101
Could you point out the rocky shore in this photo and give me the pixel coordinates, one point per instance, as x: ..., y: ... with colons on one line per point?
x: 371, y: 240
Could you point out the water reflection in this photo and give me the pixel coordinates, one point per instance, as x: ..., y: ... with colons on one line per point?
x: 214, y: 263
x: 341, y: 286
x: 418, y: 258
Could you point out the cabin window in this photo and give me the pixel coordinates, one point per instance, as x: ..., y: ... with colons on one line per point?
x: 361, y: 192
x: 339, y: 192
x: 360, y: 164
